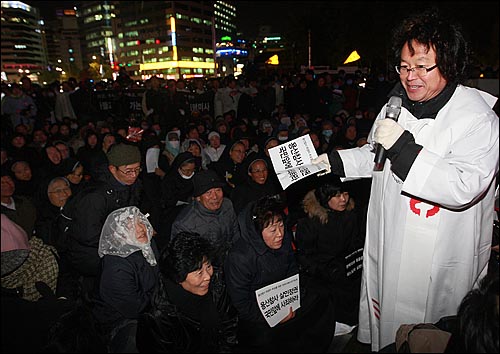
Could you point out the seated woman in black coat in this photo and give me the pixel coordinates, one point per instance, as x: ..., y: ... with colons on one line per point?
x: 129, y: 274
x: 191, y: 311
x: 263, y: 255
x: 330, y: 232
x: 256, y: 186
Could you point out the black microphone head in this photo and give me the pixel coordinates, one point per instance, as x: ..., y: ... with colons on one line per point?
x: 394, y: 107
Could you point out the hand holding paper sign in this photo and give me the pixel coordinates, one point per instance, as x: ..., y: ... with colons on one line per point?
x: 291, y: 315
x: 279, y: 301
x: 292, y: 160
x: 322, y: 160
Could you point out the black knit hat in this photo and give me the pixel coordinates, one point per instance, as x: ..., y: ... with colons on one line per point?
x: 206, y: 180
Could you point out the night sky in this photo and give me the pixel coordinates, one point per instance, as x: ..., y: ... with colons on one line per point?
x: 338, y: 27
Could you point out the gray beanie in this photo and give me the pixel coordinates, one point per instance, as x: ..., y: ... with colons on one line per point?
x: 123, y: 154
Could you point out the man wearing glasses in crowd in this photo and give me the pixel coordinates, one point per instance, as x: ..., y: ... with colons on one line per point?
x: 85, y: 213
x: 431, y: 209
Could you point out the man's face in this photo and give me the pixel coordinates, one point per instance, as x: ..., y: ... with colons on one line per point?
x: 212, y: 199
x: 8, y: 186
x: 421, y: 88
x: 126, y: 174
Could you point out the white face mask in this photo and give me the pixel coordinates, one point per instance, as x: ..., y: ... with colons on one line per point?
x: 174, y: 144
x: 282, y: 138
x: 184, y: 176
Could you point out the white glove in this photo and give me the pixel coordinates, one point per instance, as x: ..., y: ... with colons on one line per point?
x: 323, y: 161
x: 387, y: 132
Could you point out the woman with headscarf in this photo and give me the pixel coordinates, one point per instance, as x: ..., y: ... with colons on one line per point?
x: 57, y: 192
x: 72, y: 169
x: 172, y: 145
x: 230, y: 167
x: 176, y: 192
x: 128, y: 276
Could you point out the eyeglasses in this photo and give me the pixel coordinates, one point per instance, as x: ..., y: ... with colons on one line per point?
x: 259, y: 171
x: 135, y: 171
x: 420, y: 70
x: 61, y: 190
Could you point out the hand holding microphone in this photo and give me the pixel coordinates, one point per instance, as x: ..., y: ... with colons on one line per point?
x: 387, y: 133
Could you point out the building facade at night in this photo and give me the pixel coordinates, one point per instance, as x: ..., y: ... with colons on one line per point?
x: 23, y: 50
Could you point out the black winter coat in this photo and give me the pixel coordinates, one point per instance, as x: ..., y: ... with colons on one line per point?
x: 251, y: 265
x: 85, y: 214
x: 126, y: 286
x: 243, y: 194
x: 220, y: 227
x: 181, y: 322
x: 321, y: 247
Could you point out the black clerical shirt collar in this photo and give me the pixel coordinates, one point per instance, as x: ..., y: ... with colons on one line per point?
x: 427, y: 109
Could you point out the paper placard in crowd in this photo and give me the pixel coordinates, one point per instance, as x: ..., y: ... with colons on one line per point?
x: 152, y: 159
x: 276, y: 299
x: 292, y: 160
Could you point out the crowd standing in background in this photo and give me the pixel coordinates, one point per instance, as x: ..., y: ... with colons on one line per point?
x: 192, y: 157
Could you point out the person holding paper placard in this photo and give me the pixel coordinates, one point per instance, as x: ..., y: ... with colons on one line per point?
x: 262, y: 256
x: 431, y: 209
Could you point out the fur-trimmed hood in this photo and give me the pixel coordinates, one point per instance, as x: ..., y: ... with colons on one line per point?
x: 313, y: 208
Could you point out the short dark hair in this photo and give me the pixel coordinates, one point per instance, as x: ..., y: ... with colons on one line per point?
x: 477, y: 327
x: 432, y: 30
x: 184, y: 254
x: 265, y: 210
x: 326, y: 191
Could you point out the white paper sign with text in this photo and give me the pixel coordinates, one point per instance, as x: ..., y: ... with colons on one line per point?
x: 292, y: 160
x: 276, y: 299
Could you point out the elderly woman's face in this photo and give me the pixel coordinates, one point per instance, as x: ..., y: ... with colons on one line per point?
x: 198, y: 281
x: 141, y: 232
x: 273, y: 234
x: 237, y: 154
x: 58, y: 193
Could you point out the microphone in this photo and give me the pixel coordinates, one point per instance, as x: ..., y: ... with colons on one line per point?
x: 392, y: 111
